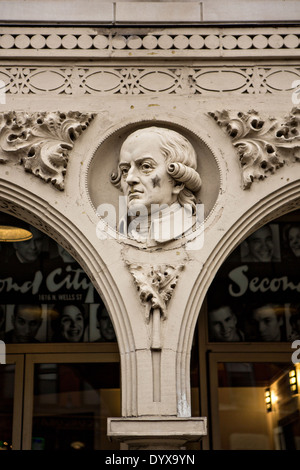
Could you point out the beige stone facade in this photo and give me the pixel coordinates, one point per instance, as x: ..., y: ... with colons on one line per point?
x: 70, y: 96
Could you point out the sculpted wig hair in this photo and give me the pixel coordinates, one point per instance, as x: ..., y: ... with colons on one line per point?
x: 181, y: 162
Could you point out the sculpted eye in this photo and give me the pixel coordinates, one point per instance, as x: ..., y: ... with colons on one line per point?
x: 124, y: 171
x: 146, y: 166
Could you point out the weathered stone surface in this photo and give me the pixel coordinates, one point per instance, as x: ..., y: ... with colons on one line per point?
x: 129, y: 79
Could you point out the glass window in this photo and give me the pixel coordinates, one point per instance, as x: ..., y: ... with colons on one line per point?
x: 257, y: 407
x: 45, y: 294
x: 255, y: 295
x: 252, y: 315
x: 72, y: 403
x: 7, y: 380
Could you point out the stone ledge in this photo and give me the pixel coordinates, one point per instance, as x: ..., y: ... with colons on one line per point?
x: 93, y: 12
x: 128, y: 429
x: 158, y: 13
x: 53, y: 11
x: 255, y: 11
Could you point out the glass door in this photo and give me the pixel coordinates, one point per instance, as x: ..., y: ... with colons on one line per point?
x: 255, y: 403
x: 11, y: 402
x: 68, y: 400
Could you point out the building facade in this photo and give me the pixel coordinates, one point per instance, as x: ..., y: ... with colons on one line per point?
x: 186, y: 349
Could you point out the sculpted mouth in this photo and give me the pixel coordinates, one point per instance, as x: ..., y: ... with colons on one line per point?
x: 134, y: 194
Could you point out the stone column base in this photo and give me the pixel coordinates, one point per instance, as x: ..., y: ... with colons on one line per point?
x: 156, y: 433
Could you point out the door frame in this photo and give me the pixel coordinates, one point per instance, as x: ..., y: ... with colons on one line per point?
x: 18, y: 361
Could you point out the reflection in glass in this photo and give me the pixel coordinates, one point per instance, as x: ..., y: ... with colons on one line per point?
x: 247, y: 420
x: 72, y: 403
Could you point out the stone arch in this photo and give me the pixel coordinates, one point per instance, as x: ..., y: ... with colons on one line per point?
x: 277, y: 203
x: 31, y: 208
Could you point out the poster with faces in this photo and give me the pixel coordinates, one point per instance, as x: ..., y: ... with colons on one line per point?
x: 47, y: 297
x: 255, y: 296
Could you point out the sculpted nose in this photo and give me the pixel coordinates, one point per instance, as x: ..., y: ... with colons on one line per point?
x: 132, y: 177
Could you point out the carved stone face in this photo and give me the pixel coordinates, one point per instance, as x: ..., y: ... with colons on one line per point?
x: 144, y: 176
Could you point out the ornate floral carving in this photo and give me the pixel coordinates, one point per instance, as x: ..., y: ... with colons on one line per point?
x: 155, y: 285
x: 41, y: 142
x: 263, y: 144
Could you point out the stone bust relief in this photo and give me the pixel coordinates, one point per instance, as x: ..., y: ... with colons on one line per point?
x: 157, y: 174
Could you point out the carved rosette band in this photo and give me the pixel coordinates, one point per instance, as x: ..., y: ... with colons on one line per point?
x: 263, y: 144
x: 41, y: 142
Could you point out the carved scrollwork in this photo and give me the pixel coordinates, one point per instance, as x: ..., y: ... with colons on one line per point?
x: 155, y: 285
x: 41, y: 142
x: 263, y: 144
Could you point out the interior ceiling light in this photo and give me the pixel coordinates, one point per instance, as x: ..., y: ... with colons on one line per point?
x: 14, y: 234
x: 77, y: 445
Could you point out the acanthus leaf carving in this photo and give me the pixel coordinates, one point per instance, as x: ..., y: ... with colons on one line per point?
x: 41, y: 141
x: 263, y: 144
x: 155, y: 285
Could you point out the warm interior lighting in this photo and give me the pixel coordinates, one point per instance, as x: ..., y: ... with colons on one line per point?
x: 274, y: 397
x: 293, y: 381
x: 77, y: 445
x: 268, y: 400
x: 14, y: 234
